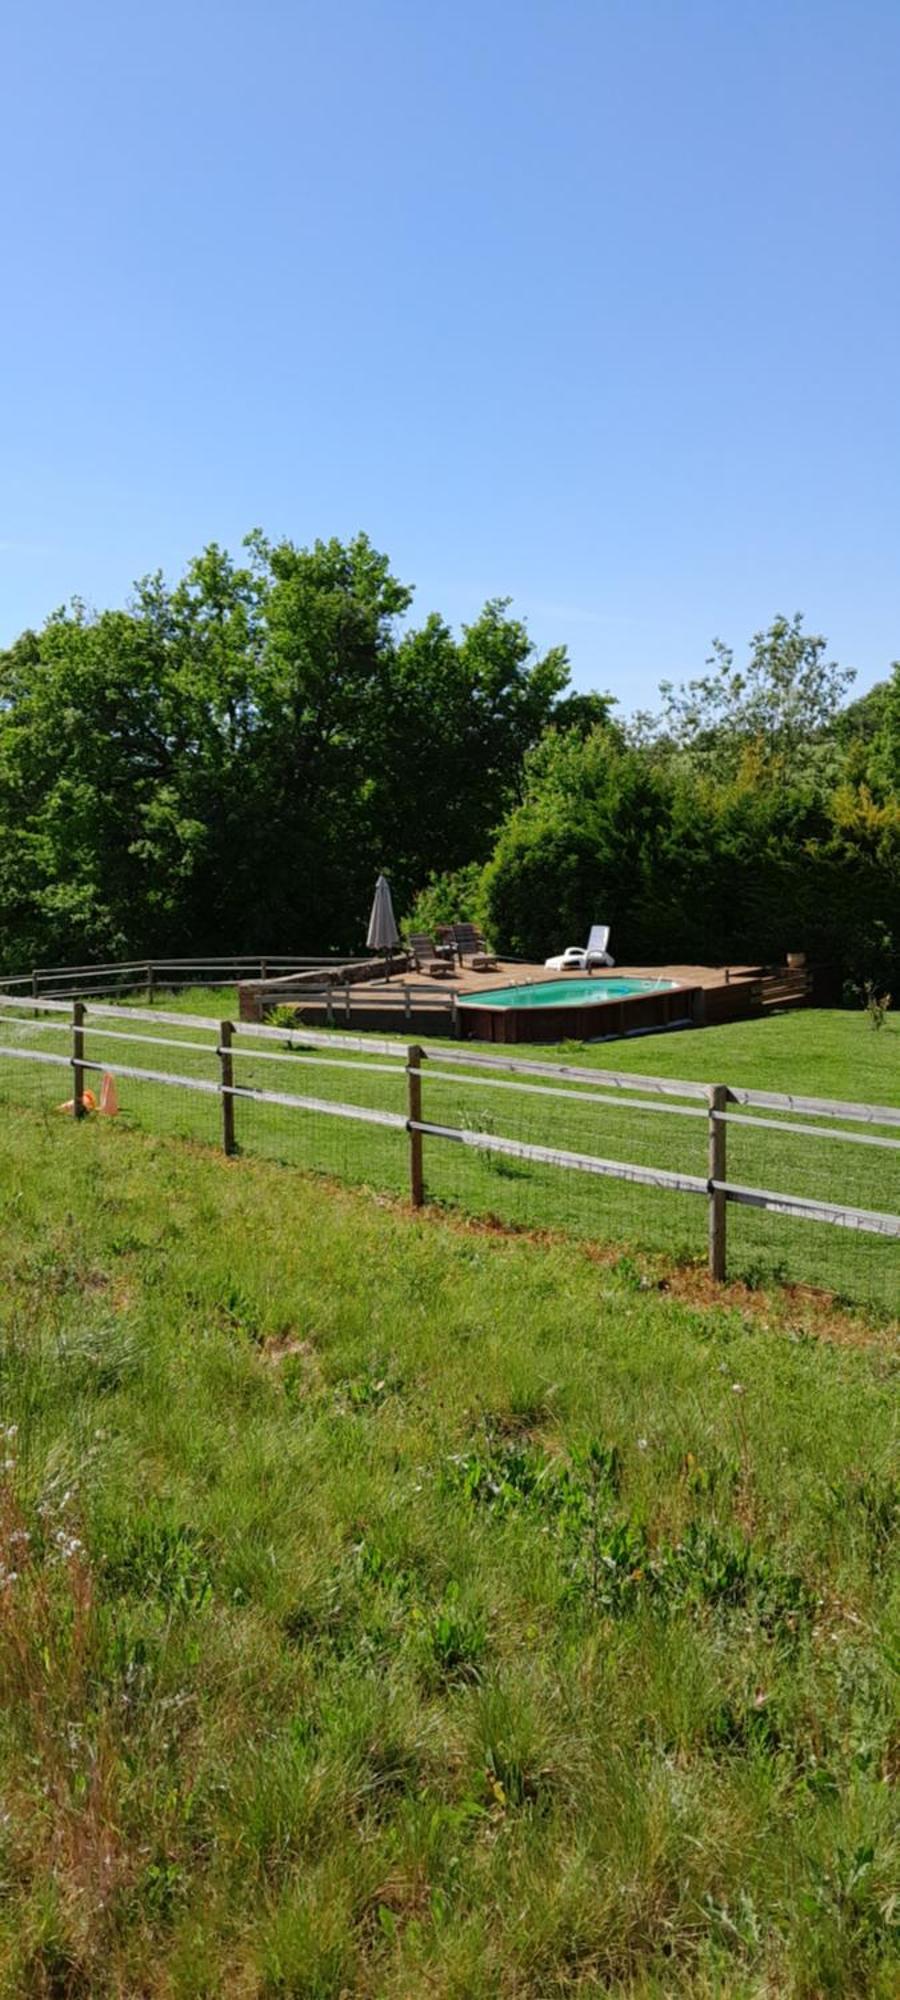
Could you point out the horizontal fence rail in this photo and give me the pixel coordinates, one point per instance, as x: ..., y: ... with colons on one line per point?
x: 209, y: 1057
x: 554, y: 1156
x: 150, y: 974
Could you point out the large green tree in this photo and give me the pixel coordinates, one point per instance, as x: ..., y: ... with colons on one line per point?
x: 225, y: 764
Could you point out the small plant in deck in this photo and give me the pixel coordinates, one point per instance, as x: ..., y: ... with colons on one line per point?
x: 284, y: 1015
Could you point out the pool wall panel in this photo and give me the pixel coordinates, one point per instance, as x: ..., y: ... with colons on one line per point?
x: 583, y: 1022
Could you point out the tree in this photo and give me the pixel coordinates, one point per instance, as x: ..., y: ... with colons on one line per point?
x: 691, y: 867
x: 458, y: 722
x: 581, y: 848
x: 784, y: 699
x: 230, y: 761
x: 884, y: 760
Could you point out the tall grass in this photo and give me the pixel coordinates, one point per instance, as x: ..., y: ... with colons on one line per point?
x: 392, y: 1608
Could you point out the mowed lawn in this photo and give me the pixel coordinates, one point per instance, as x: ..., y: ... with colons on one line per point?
x: 810, y: 1052
x: 821, y: 1052
x: 391, y: 1607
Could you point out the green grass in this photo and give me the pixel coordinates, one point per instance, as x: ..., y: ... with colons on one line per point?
x: 818, y: 1052
x: 393, y: 1608
x: 812, y: 1053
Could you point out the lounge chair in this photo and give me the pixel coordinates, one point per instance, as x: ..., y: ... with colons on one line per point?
x: 435, y: 959
x: 576, y: 959
x: 468, y: 938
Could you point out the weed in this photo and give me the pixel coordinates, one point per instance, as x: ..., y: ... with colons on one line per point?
x: 100, y: 1357
x: 283, y: 1015
x: 501, y: 1164
x: 872, y: 1499
x: 877, y: 1005
x: 153, y: 1557
x: 368, y: 1390
x: 236, y: 1311
x: 451, y: 1642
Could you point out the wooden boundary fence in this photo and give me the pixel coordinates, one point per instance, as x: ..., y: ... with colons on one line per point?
x: 537, y: 1079
x: 150, y: 975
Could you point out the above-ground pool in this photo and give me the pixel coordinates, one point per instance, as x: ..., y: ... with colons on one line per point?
x: 562, y: 992
x: 583, y: 1010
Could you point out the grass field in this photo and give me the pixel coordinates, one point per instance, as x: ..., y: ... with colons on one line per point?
x: 814, y: 1053
x: 394, y: 1608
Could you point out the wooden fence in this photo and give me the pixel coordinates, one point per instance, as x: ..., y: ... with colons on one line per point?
x: 149, y: 975
x: 721, y: 1106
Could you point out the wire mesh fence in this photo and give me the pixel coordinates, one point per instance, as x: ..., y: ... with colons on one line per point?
x: 662, y: 1136
x: 854, y: 1166
x: 625, y: 1160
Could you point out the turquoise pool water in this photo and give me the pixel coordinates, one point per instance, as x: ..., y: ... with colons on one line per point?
x: 563, y: 992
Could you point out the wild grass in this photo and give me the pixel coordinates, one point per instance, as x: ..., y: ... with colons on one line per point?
x: 393, y: 1608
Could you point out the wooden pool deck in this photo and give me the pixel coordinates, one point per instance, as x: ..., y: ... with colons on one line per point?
x: 420, y: 1004
x: 517, y: 972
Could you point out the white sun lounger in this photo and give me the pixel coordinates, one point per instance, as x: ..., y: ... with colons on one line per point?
x: 576, y: 959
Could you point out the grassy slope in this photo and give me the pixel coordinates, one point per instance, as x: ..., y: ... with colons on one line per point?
x: 339, y: 1663
x: 817, y: 1052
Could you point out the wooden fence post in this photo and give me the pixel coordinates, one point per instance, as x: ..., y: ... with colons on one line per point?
x: 226, y: 1030
x: 414, y: 1080
x: 78, y: 1058
x: 34, y: 990
x: 717, y: 1097
x: 150, y: 982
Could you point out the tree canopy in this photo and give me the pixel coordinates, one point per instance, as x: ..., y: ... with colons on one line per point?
x: 785, y: 698
x: 753, y: 816
x: 226, y: 763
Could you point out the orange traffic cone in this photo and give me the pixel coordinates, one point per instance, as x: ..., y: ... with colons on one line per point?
x: 89, y: 1102
x: 109, y: 1096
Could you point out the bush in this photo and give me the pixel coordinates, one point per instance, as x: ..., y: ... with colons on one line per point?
x: 454, y: 898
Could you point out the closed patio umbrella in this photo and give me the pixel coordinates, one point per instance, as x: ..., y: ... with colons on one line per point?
x: 383, y: 933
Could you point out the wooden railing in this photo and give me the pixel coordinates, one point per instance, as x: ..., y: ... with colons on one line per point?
x: 339, y: 1002
x: 152, y: 975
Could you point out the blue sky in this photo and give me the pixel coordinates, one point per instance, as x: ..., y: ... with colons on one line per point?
x: 591, y: 303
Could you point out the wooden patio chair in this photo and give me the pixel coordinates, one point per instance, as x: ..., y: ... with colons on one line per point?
x: 432, y: 958
x: 469, y: 940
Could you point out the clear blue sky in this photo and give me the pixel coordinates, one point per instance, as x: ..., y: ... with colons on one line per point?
x: 592, y: 303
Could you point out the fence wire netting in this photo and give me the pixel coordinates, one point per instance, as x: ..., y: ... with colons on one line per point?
x: 534, y: 1194
x: 830, y: 1161
x: 840, y: 1164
